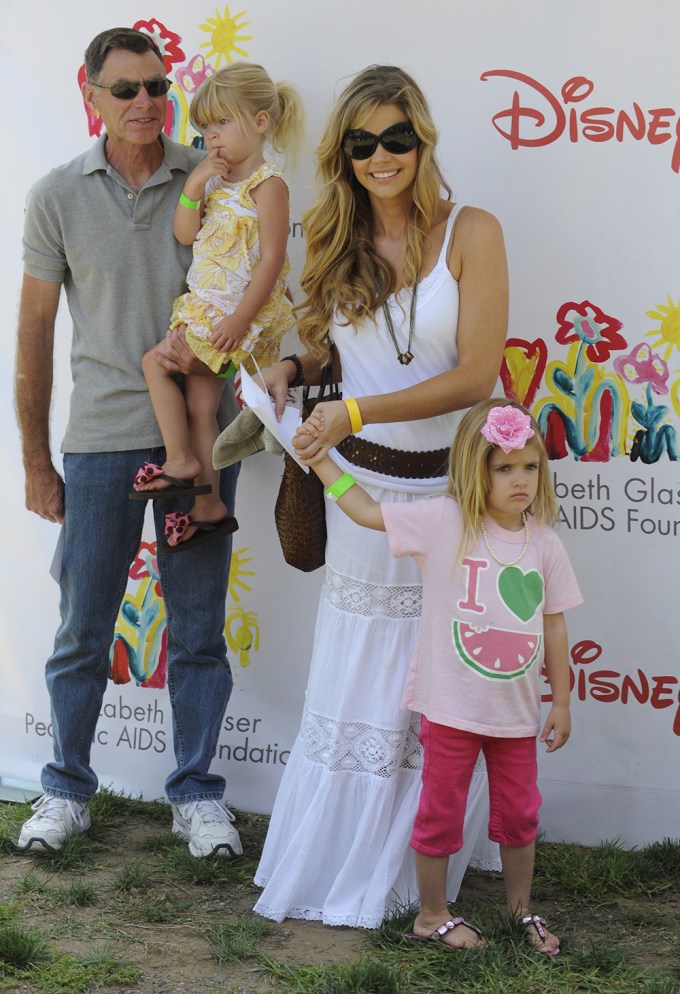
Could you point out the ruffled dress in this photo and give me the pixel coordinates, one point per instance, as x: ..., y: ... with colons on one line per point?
x: 226, y: 251
x: 337, y: 849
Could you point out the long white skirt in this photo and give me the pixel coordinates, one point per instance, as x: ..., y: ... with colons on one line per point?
x: 337, y: 849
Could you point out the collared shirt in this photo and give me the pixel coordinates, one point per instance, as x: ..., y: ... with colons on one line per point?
x: 114, y: 250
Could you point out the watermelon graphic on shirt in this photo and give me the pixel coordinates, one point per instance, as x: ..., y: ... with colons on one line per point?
x: 496, y: 653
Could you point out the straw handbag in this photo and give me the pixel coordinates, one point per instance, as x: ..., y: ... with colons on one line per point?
x: 299, y: 513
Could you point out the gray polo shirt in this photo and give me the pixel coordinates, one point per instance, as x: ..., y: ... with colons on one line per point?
x: 121, y: 267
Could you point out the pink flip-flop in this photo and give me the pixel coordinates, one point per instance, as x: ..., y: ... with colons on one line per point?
x: 439, y: 933
x: 539, y: 923
x: 178, y: 488
x: 177, y: 523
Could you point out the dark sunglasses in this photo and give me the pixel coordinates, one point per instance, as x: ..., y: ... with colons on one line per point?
x: 125, y: 89
x: 397, y: 139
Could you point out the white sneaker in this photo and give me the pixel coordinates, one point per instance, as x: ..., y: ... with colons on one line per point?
x: 54, y: 820
x: 207, y: 827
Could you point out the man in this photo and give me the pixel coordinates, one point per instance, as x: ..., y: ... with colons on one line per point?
x: 101, y: 226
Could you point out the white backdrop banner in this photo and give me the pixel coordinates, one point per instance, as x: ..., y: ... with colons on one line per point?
x: 581, y: 163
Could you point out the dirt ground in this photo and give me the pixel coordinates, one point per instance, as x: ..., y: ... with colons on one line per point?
x: 173, y: 952
x: 173, y: 955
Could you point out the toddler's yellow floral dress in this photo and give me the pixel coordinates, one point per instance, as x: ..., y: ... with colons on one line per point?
x: 226, y: 251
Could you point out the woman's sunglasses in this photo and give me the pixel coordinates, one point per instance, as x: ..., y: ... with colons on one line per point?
x: 125, y: 89
x: 397, y: 139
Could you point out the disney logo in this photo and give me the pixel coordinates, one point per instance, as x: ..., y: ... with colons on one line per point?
x: 536, y: 117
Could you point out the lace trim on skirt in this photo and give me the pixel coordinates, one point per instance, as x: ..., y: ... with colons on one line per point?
x: 356, y: 747
x: 371, y: 599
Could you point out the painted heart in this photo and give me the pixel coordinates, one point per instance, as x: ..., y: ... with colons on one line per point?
x: 523, y: 368
x: 192, y: 75
x: 520, y: 592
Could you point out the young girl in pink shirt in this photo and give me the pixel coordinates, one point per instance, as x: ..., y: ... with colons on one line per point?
x: 496, y: 581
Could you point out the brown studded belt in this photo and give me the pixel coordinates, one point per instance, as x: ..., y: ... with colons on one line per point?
x: 394, y: 462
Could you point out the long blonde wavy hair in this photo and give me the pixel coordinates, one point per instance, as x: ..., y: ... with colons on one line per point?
x: 469, y: 482
x: 245, y: 88
x: 343, y: 273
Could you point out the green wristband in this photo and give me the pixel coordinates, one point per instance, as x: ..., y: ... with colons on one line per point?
x: 191, y: 205
x: 227, y: 372
x: 340, y: 487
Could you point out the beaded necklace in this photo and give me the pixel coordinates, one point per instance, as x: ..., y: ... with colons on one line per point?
x: 524, y: 548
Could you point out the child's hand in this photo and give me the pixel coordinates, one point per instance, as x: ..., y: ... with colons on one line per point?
x: 310, y: 430
x: 316, y: 460
x: 228, y: 333
x: 557, y: 727
x: 308, y: 433
x: 214, y: 164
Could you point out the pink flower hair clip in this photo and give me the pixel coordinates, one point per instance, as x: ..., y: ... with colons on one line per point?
x: 508, y: 428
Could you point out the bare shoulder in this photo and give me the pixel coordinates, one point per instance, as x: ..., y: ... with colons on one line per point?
x: 274, y: 187
x: 476, y: 224
x: 477, y: 236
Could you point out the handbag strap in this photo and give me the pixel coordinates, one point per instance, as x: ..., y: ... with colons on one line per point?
x: 326, y: 384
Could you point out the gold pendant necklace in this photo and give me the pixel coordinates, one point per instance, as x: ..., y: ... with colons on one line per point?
x: 524, y: 549
x: 404, y: 357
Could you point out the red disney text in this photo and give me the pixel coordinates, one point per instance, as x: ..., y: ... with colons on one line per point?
x: 609, y: 686
x: 536, y: 117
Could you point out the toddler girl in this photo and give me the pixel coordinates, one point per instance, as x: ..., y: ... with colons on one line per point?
x: 234, y: 209
x: 496, y: 580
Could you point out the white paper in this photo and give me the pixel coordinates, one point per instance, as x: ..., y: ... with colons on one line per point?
x: 258, y: 400
x: 55, y: 568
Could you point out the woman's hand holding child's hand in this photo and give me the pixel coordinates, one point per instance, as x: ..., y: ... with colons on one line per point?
x: 309, y: 432
x: 557, y: 727
x: 332, y: 425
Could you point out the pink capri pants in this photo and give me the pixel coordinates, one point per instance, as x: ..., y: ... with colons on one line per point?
x: 450, y: 757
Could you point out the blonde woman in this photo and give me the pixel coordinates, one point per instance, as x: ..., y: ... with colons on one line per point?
x: 406, y: 293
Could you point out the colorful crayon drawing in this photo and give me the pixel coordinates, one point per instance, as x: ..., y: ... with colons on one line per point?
x: 223, y: 30
x: 242, y: 633
x: 138, y: 651
x: 139, y: 648
x: 586, y: 409
x: 225, y: 41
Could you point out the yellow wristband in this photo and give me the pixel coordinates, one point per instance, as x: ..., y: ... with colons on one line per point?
x: 354, y: 414
x: 340, y: 487
x: 191, y: 205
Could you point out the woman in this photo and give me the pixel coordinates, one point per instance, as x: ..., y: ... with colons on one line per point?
x: 407, y: 294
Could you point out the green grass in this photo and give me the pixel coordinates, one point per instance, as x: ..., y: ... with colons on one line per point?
x: 79, y: 894
x: 241, y: 941
x: 72, y: 975
x: 7, y: 912
x: 368, y: 976
x: 162, y: 843
x: 134, y: 877
x: 608, y: 868
x: 111, y: 809
x: 21, y: 947
x: 617, y: 913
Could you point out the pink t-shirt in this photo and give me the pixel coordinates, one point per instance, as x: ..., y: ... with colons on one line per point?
x: 477, y: 662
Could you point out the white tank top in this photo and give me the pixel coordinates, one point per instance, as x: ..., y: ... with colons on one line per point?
x: 370, y: 365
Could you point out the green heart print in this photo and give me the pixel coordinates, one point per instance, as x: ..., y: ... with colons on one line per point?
x: 521, y: 592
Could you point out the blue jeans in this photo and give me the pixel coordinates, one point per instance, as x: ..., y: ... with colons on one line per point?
x: 102, y: 534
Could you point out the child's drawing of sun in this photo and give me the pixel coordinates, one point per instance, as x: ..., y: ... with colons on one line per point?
x: 669, y: 331
x: 238, y: 573
x: 223, y: 30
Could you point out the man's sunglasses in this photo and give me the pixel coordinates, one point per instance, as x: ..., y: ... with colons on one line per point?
x: 125, y: 89
x: 397, y: 139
